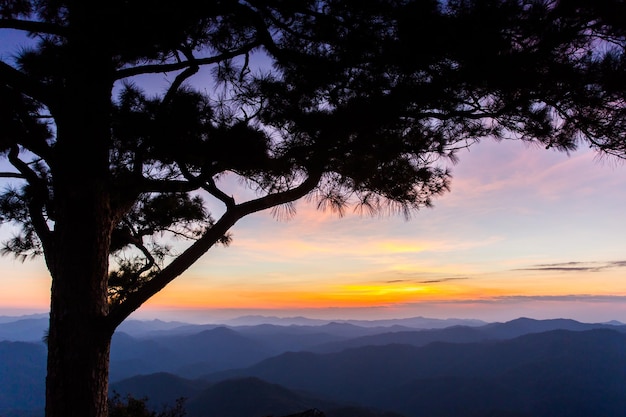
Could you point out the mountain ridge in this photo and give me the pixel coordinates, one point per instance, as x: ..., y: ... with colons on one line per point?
x: 379, y: 368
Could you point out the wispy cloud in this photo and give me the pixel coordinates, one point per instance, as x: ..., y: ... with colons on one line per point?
x: 575, y: 266
x: 506, y: 299
x: 564, y: 298
x: 437, y: 280
x: 426, y: 281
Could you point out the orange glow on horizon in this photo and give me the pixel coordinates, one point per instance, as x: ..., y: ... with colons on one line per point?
x: 330, y: 295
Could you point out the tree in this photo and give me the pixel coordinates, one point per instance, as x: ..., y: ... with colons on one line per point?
x: 138, y: 407
x: 351, y: 104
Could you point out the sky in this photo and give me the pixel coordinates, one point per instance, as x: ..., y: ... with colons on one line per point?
x: 524, y: 231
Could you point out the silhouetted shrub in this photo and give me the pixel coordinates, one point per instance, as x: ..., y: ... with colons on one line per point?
x: 137, y: 407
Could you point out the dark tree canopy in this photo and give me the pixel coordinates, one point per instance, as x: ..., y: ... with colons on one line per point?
x: 353, y: 103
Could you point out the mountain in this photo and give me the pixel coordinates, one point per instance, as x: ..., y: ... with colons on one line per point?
x: 298, y: 338
x: 159, y: 389
x: 33, y: 327
x: 30, y: 329
x: 242, y: 397
x: 10, y: 319
x: 249, y: 397
x: 215, y: 349
x: 572, y: 374
x: 482, y: 368
x: 412, y: 322
x: 464, y: 334
x: 252, y: 320
x: 524, y: 325
x: 22, y: 376
x: 187, y: 355
x: 536, y: 374
x: 138, y: 328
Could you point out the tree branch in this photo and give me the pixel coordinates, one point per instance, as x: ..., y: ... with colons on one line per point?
x: 206, y: 182
x: 39, y: 196
x: 180, y: 78
x: 166, y: 186
x: 25, y: 84
x: 213, y: 235
x: 33, y: 26
x: 16, y: 175
x: 212, y: 189
x: 176, y: 66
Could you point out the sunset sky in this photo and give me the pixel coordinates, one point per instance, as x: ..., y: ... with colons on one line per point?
x: 523, y: 232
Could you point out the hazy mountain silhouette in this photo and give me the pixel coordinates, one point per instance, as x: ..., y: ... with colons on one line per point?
x: 249, y: 397
x: 33, y: 327
x: 523, y: 325
x: 131, y: 356
x: 139, y: 328
x: 188, y: 355
x: 215, y: 349
x: 465, y: 334
x: 578, y: 375
x: 542, y: 372
x: 412, y: 322
x: 22, y: 376
x: 24, y: 330
x: 191, y: 354
x: 298, y: 338
x: 459, y: 370
x: 160, y: 389
x: 243, y: 397
x: 11, y: 319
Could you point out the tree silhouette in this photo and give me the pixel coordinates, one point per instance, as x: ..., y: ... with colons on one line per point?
x: 351, y: 104
x: 138, y: 407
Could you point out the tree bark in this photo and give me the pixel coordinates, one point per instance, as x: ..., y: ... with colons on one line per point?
x: 80, y: 333
x: 78, y: 367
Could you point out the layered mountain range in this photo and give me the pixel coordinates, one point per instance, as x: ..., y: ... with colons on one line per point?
x: 523, y: 367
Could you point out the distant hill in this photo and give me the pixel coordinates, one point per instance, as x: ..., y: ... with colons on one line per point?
x: 413, y: 322
x: 217, y: 349
x: 534, y: 366
x: 24, y: 329
x: 242, y: 397
x: 536, y: 374
x: 187, y: 355
x: 160, y: 389
x: 248, y: 397
x: 140, y: 328
x: 10, y: 319
x: 565, y: 374
x: 22, y: 376
x: 465, y: 334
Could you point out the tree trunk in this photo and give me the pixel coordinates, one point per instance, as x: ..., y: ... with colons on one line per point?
x: 77, y: 256
x: 78, y: 367
x: 79, y: 336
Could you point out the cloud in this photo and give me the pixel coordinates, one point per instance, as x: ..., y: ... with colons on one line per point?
x: 564, y: 298
x: 514, y: 299
x: 575, y: 266
x: 433, y: 281
x: 426, y: 281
